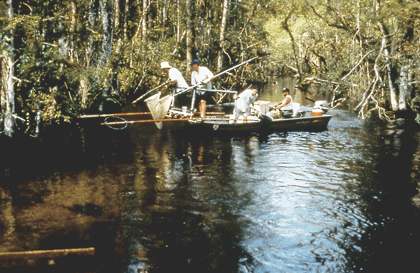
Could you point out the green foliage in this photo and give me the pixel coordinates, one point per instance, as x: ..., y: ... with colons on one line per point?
x: 415, y: 105
x: 51, y: 111
x: 57, y: 46
x: 338, y: 40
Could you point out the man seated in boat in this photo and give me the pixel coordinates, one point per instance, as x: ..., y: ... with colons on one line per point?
x: 244, y: 101
x: 286, y: 106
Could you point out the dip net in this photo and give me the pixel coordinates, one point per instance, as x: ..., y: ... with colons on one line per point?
x: 159, y: 107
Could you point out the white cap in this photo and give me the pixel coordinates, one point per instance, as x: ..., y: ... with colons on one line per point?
x: 165, y: 65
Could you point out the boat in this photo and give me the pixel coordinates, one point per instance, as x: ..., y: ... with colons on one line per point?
x: 266, y: 123
x: 264, y: 120
x: 261, y: 118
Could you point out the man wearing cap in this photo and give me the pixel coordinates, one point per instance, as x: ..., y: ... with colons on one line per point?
x: 286, y: 106
x: 244, y: 100
x: 175, y: 76
x: 201, y: 74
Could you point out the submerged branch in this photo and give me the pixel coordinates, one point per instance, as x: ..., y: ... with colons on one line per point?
x: 318, y: 80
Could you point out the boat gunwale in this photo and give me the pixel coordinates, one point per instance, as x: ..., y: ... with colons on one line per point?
x: 258, y: 125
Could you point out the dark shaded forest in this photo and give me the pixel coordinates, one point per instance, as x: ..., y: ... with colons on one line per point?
x: 62, y: 59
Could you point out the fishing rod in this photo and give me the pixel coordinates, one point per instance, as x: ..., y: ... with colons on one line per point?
x: 217, y: 75
x: 168, y: 81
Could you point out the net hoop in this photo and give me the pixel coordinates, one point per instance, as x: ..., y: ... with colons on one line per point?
x: 118, y: 118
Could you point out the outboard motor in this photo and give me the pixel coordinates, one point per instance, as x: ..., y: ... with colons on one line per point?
x: 323, y: 105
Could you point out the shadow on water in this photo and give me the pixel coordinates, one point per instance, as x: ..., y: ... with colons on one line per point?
x: 338, y: 200
x: 389, y: 239
x: 61, y: 191
x: 183, y: 217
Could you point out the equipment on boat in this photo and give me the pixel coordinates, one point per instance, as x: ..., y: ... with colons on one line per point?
x: 159, y: 107
x: 320, y: 104
x: 263, y: 120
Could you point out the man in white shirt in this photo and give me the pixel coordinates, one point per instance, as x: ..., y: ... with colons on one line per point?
x: 175, y: 76
x: 286, y: 105
x: 244, y: 100
x: 203, y: 75
x: 177, y: 82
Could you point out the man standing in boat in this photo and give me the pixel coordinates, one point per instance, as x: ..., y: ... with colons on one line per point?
x: 177, y: 80
x: 244, y: 101
x: 286, y: 106
x: 203, y: 76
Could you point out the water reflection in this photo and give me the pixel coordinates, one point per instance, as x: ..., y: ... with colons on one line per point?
x: 190, y: 223
x: 338, y: 200
x: 63, y: 212
x: 387, y: 237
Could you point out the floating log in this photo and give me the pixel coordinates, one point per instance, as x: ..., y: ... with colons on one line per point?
x: 47, y: 254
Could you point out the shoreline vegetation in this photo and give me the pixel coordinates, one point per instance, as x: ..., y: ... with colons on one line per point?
x: 63, y: 59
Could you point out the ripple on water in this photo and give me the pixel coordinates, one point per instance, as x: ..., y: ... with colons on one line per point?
x: 298, y: 209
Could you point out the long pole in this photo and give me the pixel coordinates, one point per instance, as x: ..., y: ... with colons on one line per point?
x: 229, y: 69
x: 142, y: 96
x: 136, y: 114
x: 217, y: 75
x: 144, y: 121
x: 112, y: 115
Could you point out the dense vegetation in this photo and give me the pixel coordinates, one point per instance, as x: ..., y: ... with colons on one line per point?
x: 63, y: 58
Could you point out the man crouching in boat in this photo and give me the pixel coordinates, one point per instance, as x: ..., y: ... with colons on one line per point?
x: 286, y: 106
x: 177, y: 80
x: 244, y: 100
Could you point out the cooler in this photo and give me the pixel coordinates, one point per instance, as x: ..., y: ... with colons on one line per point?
x: 262, y: 106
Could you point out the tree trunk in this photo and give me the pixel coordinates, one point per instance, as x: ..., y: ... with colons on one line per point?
x: 222, y: 36
x: 144, y: 24
x: 126, y: 15
x: 178, y: 21
x: 116, y: 14
x: 72, y: 30
x: 107, y: 14
x: 389, y: 68
x: 65, y: 43
x: 7, y: 90
x: 164, y: 17
x: 107, y: 27
x: 93, y: 18
x: 292, y: 38
x: 91, y: 51
x: 189, y: 31
x: 405, y: 93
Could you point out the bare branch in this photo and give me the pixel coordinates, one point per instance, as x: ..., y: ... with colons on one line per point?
x: 360, y: 61
x: 318, y: 80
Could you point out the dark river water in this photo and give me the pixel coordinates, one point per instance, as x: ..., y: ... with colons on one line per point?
x: 338, y: 200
